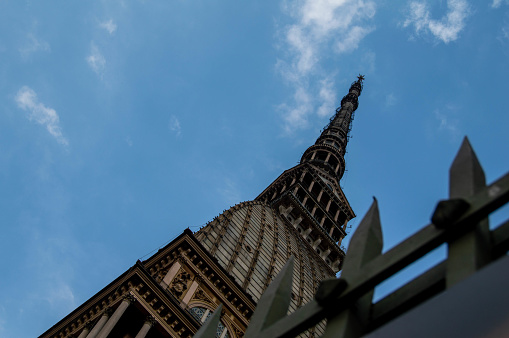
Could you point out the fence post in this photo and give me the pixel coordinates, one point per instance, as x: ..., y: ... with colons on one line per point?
x: 470, y: 251
x: 365, y: 245
x: 209, y: 328
x: 274, y: 303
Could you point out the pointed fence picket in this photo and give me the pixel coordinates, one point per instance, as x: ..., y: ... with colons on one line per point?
x: 346, y: 302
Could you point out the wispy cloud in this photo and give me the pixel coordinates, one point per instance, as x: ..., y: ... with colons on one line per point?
x: 368, y: 61
x: 352, y: 38
x: 446, y: 29
x: 390, y: 100
x: 96, y: 60
x: 327, y: 96
x: 447, y: 124
x: 497, y: 3
x: 32, y: 45
x: 320, y: 27
x: 60, y: 295
x: 27, y: 100
x: 129, y: 141
x: 230, y: 191
x: 295, y: 116
x: 505, y: 31
x: 110, y: 26
x: 54, y: 254
x: 174, y: 126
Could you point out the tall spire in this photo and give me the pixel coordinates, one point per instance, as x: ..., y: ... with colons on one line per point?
x: 309, y: 196
x: 329, y: 149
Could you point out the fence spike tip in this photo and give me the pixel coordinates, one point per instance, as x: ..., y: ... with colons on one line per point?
x: 466, y: 175
x: 366, y: 242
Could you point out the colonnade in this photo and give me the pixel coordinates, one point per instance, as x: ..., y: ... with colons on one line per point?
x: 109, y: 319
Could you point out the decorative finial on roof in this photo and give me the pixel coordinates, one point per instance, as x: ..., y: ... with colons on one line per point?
x: 360, y: 78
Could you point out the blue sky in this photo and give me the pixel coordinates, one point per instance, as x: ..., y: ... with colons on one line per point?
x: 124, y: 122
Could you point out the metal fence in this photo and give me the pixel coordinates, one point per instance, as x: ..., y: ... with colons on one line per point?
x: 347, y: 302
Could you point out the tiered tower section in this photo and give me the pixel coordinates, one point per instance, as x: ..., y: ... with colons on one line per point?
x: 309, y: 195
x: 303, y: 214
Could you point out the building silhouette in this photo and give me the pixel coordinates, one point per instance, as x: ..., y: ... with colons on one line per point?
x: 233, y: 259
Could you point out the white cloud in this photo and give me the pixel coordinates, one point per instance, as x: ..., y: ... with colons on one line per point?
x: 96, y: 60
x: 230, y: 191
x: 496, y: 3
x: 26, y: 99
x: 320, y: 27
x: 505, y: 31
x: 447, y: 124
x: 328, y: 98
x: 33, y: 45
x: 446, y: 29
x: 390, y: 100
x: 129, y: 141
x: 60, y: 295
x: 295, y: 117
x: 368, y: 61
x: 174, y: 126
x: 109, y: 26
x: 352, y: 38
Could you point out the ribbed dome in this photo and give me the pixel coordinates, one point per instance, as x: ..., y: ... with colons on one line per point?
x: 252, y: 242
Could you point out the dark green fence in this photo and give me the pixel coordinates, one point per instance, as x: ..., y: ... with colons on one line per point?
x: 346, y: 302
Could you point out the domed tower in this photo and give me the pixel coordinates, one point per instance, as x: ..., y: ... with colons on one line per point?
x: 302, y: 213
x: 233, y: 259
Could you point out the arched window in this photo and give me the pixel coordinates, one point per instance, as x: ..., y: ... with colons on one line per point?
x: 202, y: 314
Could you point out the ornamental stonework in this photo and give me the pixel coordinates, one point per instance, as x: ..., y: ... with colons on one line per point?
x: 179, y: 283
x: 201, y: 295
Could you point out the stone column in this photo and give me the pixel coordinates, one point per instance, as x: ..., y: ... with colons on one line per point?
x: 83, y: 333
x: 314, y: 210
x: 326, y: 253
x: 337, y: 215
x: 85, y: 330
x: 149, y: 322
x: 128, y: 299
x: 319, y: 195
x: 99, y: 325
x: 306, y: 233
x: 316, y: 243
